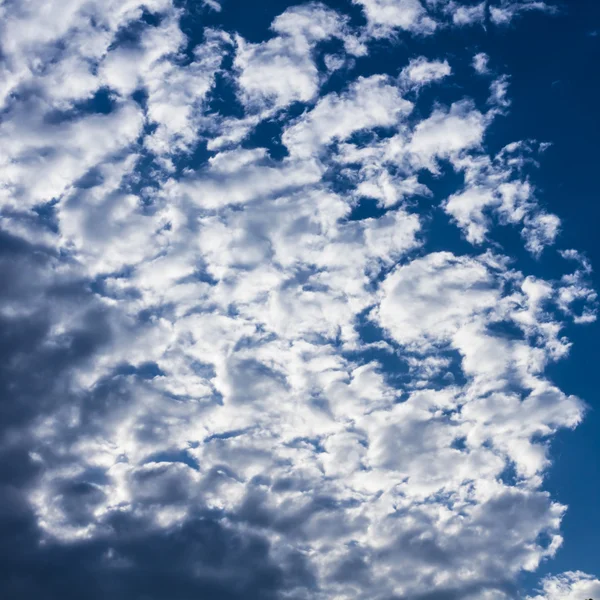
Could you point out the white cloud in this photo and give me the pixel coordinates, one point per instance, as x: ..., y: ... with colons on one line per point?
x: 241, y: 346
x: 480, y: 63
x: 495, y: 188
x: 447, y: 132
x: 385, y: 16
x: 61, y: 152
x: 428, y: 300
x: 255, y: 179
x: 30, y: 34
x: 273, y: 74
x: 468, y: 210
x: 291, y: 73
x: 568, y: 586
x: 576, y: 297
x: 421, y: 71
x: 369, y: 102
x: 507, y: 10
x: 540, y: 231
x: 466, y: 14
x: 216, y: 6
x: 499, y: 92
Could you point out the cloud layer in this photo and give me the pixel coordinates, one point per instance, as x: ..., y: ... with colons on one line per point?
x: 238, y: 360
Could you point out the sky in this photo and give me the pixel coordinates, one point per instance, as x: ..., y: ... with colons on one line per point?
x: 299, y: 300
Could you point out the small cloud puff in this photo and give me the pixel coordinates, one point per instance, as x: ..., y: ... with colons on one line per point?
x: 421, y: 71
x: 481, y: 63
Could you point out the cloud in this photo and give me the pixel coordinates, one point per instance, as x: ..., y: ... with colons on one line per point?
x: 466, y: 14
x: 446, y: 133
x: 497, y: 188
x: 60, y: 152
x: 385, y: 16
x: 421, y: 71
x: 507, y: 10
x: 252, y: 354
x: 480, y: 63
x: 569, y: 586
x: 431, y: 314
x: 273, y: 74
x: 30, y: 37
x: 369, y: 102
x: 253, y: 178
x: 213, y: 4
x: 388, y: 18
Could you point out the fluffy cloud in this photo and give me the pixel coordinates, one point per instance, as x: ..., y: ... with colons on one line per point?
x: 421, y: 71
x: 431, y: 298
x: 384, y: 16
x: 480, y: 63
x: 275, y: 73
x: 368, y: 103
x: 251, y: 359
x: 466, y: 14
x: 447, y: 132
x: 495, y: 187
x: 569, y: 586
x: 59, y: 152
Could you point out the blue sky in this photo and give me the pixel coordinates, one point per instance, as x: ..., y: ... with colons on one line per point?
x: 299, y: 300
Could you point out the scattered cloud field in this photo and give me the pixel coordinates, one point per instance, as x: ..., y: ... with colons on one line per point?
x: 273, y: 318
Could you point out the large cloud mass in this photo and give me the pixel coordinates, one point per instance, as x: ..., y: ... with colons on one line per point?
x: 237, y: 359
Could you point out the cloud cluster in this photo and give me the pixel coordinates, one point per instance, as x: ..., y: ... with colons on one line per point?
x: 569, y: 586
x: 387, y: 18
x: 237, y: 368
